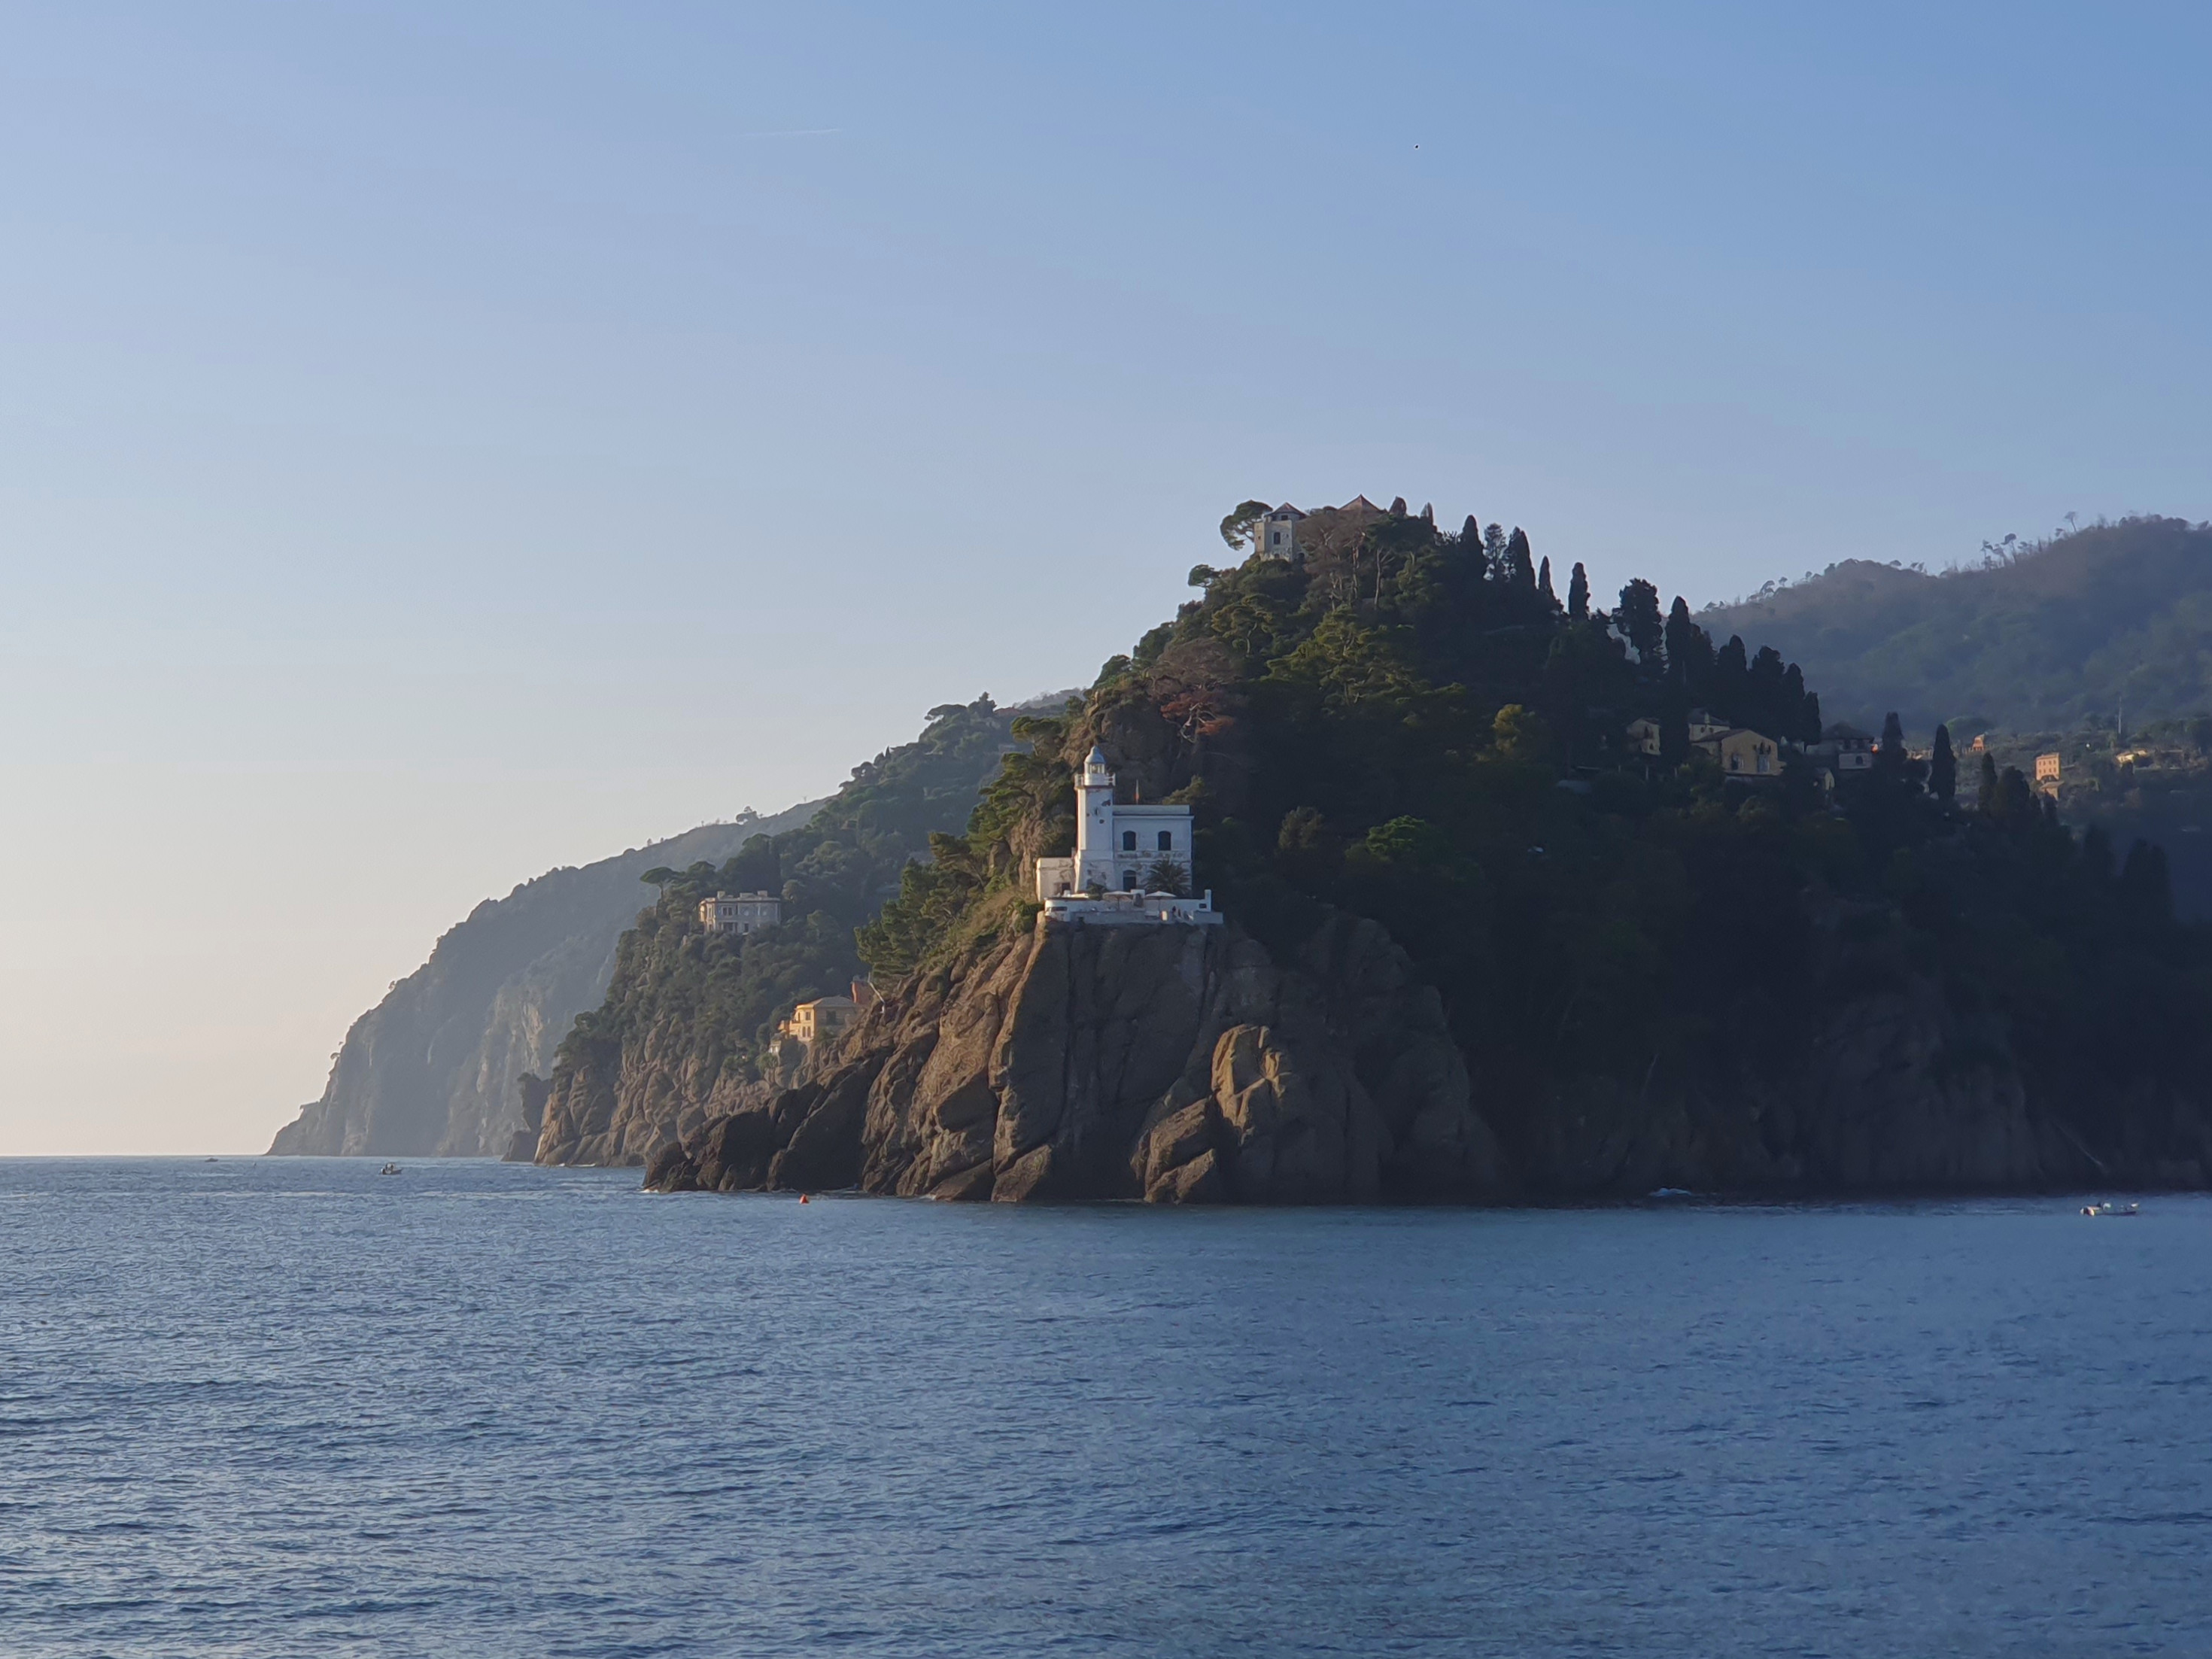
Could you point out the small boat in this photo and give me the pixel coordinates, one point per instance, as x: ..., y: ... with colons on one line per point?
x: 2111, y: 1208
x: 389, y: 1169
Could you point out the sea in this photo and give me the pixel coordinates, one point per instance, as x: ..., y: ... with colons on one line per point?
x: 297, y: 1407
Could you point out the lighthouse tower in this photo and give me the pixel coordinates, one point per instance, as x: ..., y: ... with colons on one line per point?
x: 1094, y: 823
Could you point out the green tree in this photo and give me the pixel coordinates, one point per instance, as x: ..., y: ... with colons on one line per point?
x: 1731, y: 686
x: 1519, y: 734
x: 1520, y: 562
x: 1544, y: 585
x: 1237, y: 527
x: 1639, y: 622
x: 1943, y: 770
x: 1986, y: 796
x: 1578, y: 594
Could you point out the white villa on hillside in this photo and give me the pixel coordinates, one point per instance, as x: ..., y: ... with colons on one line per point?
x: 1117, y: 848
x: 740, y: 913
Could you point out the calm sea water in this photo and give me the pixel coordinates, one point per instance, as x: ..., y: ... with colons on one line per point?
x: 291, y: 1407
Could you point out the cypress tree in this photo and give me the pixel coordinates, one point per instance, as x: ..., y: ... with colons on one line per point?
x: 1810, y: 731
x: 1677, y: 639
x: 1520, y: 561
x: 1789, y: 715
x: 1731, y: 680
x: 1544, y: 585
x: 1889, y: 754
x: 1470, y: 535
x: 1639, y: 621
x: 1943, y: 768
x: 1765, y: 684
x: 1988, y: 798
x: 1578, y: 594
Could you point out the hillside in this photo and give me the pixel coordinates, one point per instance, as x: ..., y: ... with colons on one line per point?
x: 626, y: 1078
x: 2032, y: 640
x: 1478, y: 944
x: 432, y: 1069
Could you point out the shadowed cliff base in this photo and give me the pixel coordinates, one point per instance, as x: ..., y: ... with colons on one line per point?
x: 1177, y: 1065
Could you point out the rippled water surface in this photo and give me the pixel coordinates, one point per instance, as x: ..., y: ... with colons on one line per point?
x: 291, y: 1407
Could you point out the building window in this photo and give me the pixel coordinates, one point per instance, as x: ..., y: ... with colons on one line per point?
x: 1129, y: 881
x: 1167, y: 842
x: 1128, y: 841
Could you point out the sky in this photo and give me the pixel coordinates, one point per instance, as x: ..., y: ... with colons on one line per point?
x: 439, y: 443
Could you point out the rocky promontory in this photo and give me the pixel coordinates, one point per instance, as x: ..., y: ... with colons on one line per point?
x: 1172, y: 1064
x: 1182, y: 1065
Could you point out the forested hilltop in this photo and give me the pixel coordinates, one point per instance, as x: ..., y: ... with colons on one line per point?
x: 2036, y: 638
x: 1481, y: 943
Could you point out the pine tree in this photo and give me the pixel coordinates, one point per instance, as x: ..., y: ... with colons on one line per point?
x: 1544, y: 585
x: 1470, y: 535
x: 1943, y: 768
x: 1578, y: 594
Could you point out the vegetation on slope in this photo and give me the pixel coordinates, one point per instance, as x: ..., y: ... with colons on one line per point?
x: 1410, y: 726
x: 727, y: 991
x: 2039, y: 637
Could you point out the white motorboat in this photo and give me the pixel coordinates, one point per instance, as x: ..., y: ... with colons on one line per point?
x: 2109, y: 1208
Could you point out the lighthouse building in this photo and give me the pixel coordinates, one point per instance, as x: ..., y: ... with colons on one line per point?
x: 1118, y: 848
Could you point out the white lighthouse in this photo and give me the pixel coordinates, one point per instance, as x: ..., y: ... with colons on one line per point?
x: 1095, y: 864
x: 1117, y: 848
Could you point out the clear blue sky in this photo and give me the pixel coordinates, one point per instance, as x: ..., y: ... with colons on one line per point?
x: 438, y: 442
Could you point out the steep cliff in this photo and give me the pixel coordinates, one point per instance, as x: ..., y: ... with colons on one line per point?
x: 432, y: 1069
x: 1181, y: 1064
x: 1177, y: 1064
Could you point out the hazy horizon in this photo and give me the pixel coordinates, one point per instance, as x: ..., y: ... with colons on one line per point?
x: 441, y: 447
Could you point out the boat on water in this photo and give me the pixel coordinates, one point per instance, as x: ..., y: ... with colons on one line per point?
x: 389, y: 1169
x: 2107, y: 1207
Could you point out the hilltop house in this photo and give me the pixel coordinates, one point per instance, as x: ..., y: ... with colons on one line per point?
x: 1277, y: 537
x: 1644, y: 732
x: 1743, y: 754
x: 2046, y: 773
x: 1844, y: 751
x: 740, y: 913
x: 1289, y: 535
x: 1119, y: 849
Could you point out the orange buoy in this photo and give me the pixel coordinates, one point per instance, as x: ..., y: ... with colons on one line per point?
x: 802, y: 1198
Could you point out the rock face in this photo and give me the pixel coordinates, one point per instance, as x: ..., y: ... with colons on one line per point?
x: 1172, y: 1064
x: 432, y: 1069
x: 1892, y: 1093
x: 1183, y: 1065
